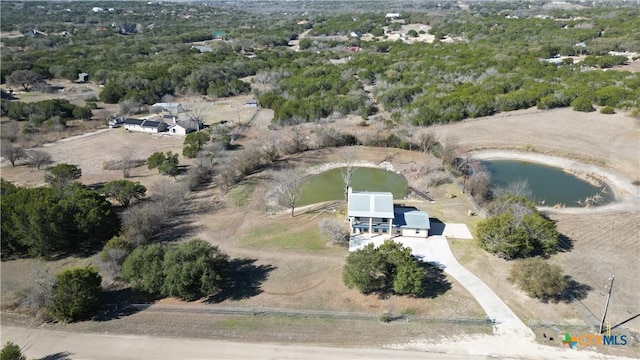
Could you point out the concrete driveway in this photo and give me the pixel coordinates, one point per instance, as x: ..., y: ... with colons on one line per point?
x: 436, y: 250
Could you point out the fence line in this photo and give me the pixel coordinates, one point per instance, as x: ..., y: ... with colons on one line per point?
x: 323, y: 314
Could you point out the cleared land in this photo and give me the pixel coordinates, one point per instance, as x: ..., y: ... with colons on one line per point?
x: 298, y: 270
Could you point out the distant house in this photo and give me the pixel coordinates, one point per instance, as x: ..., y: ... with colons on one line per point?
x: 202, y: 48
x: 392, y: 15
x: 251, y: 103
x: 172, y: 108
x: 145, y: 125
x: 375, y: 213
x: 219, y: 34
x: 83, y: 77
x: 175, y: 126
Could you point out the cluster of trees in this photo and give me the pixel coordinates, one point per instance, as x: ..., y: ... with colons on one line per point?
x: 48, y: 222
x: 46, y: 112
x: 387, y: 268
x: 516, y: 229
x: 166, y: 163
x: 188, y: 271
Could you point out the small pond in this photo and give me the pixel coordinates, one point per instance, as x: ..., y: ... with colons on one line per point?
x: 549, y: 185
x: 329, y: 185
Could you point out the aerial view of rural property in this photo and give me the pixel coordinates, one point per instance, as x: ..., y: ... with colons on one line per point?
x: 320, y: 179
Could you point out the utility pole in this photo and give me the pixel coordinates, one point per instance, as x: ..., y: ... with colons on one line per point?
x: 606, y: 305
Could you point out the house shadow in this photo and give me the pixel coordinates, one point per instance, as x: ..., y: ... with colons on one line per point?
x: 435, y: 281
x: 244, y: 281
x: 64, y: 355
x: 117, y: 304
x: 437, y: 227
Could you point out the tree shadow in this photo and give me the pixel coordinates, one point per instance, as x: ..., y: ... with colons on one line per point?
x: 565, y: 243
x: 435, y: 281
x: 117, y: 304
x: 64, y: 355
x: 245, y: 280
x: 574, y: 290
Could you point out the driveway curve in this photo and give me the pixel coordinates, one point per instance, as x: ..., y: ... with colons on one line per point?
x: 436, y: 250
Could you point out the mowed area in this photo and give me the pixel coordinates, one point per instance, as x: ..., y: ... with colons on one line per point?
x: 289, y: 265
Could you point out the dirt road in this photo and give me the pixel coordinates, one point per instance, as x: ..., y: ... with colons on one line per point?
x: 39, y: 343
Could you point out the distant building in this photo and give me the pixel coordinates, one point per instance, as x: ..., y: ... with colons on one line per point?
x: 83, y: 77
x: 202, y: 48
x: 392, y: 16
x: 251, y: 103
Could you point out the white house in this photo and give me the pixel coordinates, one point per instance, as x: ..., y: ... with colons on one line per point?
x: 375, y: 213
x: 145, y: 125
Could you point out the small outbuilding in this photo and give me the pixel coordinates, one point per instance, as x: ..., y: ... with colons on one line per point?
x: 83, y: 77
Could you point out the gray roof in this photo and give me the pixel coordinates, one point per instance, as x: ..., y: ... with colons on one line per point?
x: 371, y: 204
x: 410, y: 218
x: 143, y: 123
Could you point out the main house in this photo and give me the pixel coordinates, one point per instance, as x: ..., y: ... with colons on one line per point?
x: 375, y: 213
x: 145, y: 125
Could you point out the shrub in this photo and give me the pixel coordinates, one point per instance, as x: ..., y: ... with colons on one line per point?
x: 76, y: 294
x: 335, y: 231
x: 607, y: 110
x: 582, y: 104
x: 11, y: 351
x: 538, y: 278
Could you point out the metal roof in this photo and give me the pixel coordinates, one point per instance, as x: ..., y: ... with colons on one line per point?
x: 410, y: 218
x: 371, y: 204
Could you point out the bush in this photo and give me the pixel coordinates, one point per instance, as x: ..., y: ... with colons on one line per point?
x: 582, y: 104
x: 143, y: 269
x: 608, y: 110
x: 335, y: 231
x: 538, y: 278
x: 76, y: 294
x: 11, y: 351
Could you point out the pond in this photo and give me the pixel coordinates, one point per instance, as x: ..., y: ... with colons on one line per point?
x: 549, y: 185
x: 329, y: 185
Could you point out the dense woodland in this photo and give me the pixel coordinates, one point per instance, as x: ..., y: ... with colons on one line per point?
x: 143, y: 53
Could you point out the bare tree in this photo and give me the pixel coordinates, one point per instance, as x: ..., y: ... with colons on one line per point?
x: 11, y: 130
x: 427, y: 141
x: 298, y: 140
x: 248, y: 160
x: 348, y: 159
x: 195, y: 112
x: 40, y: 294
x: 479, y: 182
x: 288, y: 189
x: 168, y: 194
x: 37, y: 158
x: 518, y: 188
x: 271, y: 148
x: 127, y: 164
x: 11, y: 152
x: 451, y: 152
x: 227, y: 171
x: 335, y: 231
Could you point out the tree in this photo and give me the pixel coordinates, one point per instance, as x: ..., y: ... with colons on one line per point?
x: 24, y: 78
x: 364, y: 270
x: 193, y: 143
x: 62, y: 175
x: 11, y: 351
x: 124, y: 191
x: 288, y: 189
x: 76, y: 294
x: 388, y: 268
x: 83, y: 113
x: 538, y: 278
x: 11, y: 152
x: 193, y: 270
x: 348, y: 157
x: 517, y: 229
x: 38, y: 158
x: 143, y: 269
x: 334, y: 230
x: 167, y: 164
